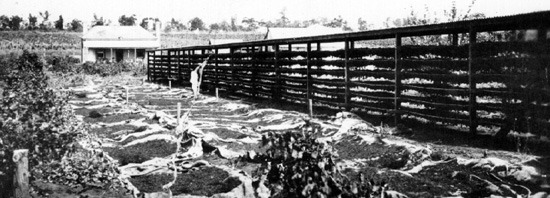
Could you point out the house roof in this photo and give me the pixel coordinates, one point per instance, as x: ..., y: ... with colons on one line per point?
x: 118, y: 33
x: 119, y: 37
x: 314, y: 30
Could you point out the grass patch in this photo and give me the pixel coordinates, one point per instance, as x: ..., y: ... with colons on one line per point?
x: 141, y: 152
x: 206, y: 181
x: 161, y: 102
x: 114, y: 118
x: 108, y: 131
x: 86, y: 112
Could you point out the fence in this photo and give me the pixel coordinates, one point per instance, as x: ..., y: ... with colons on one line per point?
x: 479, y: 76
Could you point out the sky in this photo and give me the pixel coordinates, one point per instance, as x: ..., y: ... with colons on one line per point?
x: 212, y: 11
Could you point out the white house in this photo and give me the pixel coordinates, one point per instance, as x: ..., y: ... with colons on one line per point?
x: 117, y: 43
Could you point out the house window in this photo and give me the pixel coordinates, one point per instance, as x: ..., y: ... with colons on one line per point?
x: 140, y: 53
x: 100, y: 54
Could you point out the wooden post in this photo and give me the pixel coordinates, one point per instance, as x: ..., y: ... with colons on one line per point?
x: 347, y: 76
x: 180, y: 78
x: 169, y: 84
x: 472, y: 83
x: 189, y: 68
x: 233, y: 74
x: 310, y: 108
x: 254, y: 73
x: 149, y: 66
x: 217, y: 94
x: 309, y: 79
x: 21, y: 177
x: 277, y: 92
x: 217, y: 79
x: 178, y: 113
x: 397, y: 77
x: 455, y: 39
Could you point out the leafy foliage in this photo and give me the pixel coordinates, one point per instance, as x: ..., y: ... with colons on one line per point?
x: 15, y: 22
x: 33, y: 117
x: 83, y: 169
x: 32, y: 22
x: 59, y: 23
x: 108, y: 69
x: 306, y: 167
x: 196, y: 24
x: 127, y: 20
x: 76, y: 25
x: 64, y: 64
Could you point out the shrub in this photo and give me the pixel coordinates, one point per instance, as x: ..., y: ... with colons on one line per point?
x: 33, y: 117
x: 108, y: 69
x: 306, y: 167
x: 63, y: 64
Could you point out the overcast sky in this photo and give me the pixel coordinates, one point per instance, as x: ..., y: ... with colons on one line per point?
x: 211, y: 11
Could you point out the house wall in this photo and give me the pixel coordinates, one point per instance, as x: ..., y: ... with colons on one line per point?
x: 90, y: 54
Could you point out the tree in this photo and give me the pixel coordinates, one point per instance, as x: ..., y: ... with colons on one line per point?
x: 221, y: 26
x: 45, y: 20
x: 174, y: 25
x: 363, y: 25
x: 15, y: 22
x: 196, y: 24
x: 4, y: 22
x: 251, y: 23
x: 98, y: 21
x: 214, y: 27
x: 76, y: 25
x: 283, y: 21
x: 127, y: 20
x: 59, y: 23
x: 310, y: 22
x: 145, y: 23
x: 32, y: 22
x: 338, y: 23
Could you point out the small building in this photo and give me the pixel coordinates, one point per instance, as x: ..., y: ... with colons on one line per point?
x: 314, y: 30
x: 117, y: 43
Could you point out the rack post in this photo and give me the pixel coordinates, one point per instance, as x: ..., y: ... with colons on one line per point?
x: 217, y: 80
x: 397, y: 77
x: 254, y: 72
x: 233, y: 75
x: 471, y: 81
x: 347, y: 76
x: 309, y: 79
x: 189, y: 68
x: 180, y: 78
x: 277, y: 88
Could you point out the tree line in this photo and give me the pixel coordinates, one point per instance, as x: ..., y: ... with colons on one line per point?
x: 19, y: 23
x: 246, y: 24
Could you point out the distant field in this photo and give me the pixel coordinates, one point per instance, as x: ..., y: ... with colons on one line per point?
x: 68, y: 43
x: 44, y: 43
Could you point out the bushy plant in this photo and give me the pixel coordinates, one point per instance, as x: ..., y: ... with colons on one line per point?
x: 108, y: 69
x: 63, y: 64
x: 33, y: 117
x: 302, y: 166
x: 80, y: 170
